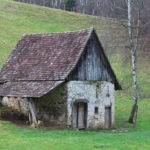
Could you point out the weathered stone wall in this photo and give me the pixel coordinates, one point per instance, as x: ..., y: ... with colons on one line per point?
x: 98, y: 94
x: 56, y: 107
x: 52, y: 108
x: 16, y: 103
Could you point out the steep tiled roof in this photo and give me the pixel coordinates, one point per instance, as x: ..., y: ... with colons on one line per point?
x: 41, y: 61
x: 45, y: 56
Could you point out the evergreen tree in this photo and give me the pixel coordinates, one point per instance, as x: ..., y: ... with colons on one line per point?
x: 70, y: 5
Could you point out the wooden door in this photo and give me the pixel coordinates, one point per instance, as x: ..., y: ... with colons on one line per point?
x: 107, y: 117
x: 81, y: 115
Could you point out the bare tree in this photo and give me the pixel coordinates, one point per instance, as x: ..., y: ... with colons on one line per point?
x: 134, y: 11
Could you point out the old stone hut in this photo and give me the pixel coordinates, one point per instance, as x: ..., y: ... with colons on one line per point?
x: 62, y: 79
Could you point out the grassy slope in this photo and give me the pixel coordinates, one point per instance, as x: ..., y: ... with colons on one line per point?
x: 16, y: 138
x: 16, y: 19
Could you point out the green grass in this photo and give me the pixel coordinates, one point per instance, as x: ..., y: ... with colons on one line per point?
x: 17, y: 19
x: 13, y: 137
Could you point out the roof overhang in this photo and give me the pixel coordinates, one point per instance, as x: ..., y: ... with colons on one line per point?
x: 27, y: 88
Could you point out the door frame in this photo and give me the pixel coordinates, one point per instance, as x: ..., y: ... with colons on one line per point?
x: 76, y: 111
x: 110, y: 117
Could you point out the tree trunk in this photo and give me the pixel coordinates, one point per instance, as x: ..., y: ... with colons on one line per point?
x: 133, y: 114
x: 133, y: 48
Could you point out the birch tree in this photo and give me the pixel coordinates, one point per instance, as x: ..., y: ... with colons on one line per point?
x: 134, y: 8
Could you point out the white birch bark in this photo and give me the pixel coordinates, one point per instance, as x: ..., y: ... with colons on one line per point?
x: 133, y: 48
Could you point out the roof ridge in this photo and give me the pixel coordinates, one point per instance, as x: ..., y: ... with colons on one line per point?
x: 51, y: 33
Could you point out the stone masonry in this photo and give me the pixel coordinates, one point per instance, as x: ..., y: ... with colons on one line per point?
x: 98, y: 94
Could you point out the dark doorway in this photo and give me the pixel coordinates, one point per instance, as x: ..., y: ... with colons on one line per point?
x: 107, y: 117
x: 80, y: 115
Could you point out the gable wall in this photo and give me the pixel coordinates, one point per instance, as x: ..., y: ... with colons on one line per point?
x: 92, y: 64
x: 95, y: 93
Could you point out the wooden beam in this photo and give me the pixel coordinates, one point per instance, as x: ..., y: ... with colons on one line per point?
x: 32, y: 113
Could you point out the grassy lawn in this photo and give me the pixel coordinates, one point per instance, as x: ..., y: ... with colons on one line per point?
x: 17, y: 19
x: 125, y: 137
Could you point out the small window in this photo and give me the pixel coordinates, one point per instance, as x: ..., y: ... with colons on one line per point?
x: 96, y: 110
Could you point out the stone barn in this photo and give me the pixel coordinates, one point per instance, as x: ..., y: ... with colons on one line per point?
x: 61, y: 79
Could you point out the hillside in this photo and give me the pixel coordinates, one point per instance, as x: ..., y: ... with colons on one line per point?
x: 17, y: 19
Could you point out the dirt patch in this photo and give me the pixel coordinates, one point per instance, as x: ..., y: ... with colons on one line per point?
x: 14, y: 116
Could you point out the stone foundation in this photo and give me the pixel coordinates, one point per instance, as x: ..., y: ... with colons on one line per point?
x: 15, y: 103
